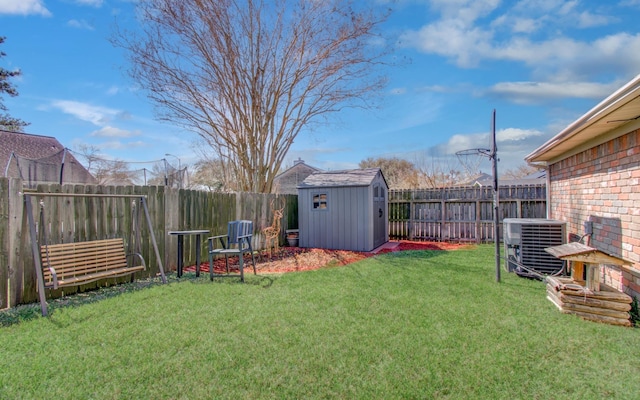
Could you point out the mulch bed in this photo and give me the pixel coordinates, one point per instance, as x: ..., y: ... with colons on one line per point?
x: 291, y: 259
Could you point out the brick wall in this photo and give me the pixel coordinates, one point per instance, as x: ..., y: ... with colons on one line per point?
x: 602, y: 185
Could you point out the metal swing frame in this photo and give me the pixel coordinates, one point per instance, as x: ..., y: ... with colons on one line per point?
x: 34, y: 237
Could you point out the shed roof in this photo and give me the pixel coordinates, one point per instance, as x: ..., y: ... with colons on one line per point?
x: 580, y: 252
x: 620, y: 108
x: 352, y: 177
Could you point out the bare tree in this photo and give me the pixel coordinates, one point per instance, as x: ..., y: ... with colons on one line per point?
x: 437, y: 171
x: 164, y: 174
x: 399, y: 173
x: 113, y: 172
x: 90, y: 155
x: 249, y: 75
x: 209, y: 175
x: 210, y: 172
x: 519, y: 172
x: 106, y: 172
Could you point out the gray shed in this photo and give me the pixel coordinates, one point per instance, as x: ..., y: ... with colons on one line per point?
x: 343, y: 210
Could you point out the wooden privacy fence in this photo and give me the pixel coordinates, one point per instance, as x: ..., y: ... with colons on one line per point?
x: 448, y: 214
x: 460, y: 213
x: 84, y: 218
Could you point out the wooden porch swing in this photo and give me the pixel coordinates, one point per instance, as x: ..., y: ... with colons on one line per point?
x: 78, y: 263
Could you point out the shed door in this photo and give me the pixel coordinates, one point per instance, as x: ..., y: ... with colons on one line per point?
x: 379, y: 216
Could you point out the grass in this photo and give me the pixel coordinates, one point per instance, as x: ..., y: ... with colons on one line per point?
x: 421, y: 324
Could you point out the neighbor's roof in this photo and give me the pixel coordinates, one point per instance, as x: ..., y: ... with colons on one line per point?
x: 535, y: 178
x: 352, y: 177
x: 35, y: 147
x: 620, y: 108
x: 297, y: 164
x: 27, y: 145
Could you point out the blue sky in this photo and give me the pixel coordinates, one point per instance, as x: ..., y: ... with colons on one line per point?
x: 540, y: 63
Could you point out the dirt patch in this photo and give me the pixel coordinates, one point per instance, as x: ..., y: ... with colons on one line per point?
x: 291, y: 259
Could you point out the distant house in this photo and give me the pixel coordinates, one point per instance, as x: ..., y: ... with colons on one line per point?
x: 39, y: 159
x: 593, y: 181
x: 287, y: 182
x: 537, y: 178
x: 482, y: 179
x: 344, y: 210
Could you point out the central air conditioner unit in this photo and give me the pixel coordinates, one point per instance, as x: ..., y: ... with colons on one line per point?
x: 525, y: 240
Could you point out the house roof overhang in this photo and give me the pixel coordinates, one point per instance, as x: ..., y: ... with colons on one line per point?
x: 617, y: 114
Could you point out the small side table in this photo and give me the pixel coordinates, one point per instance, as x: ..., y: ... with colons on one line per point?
x: 181, y: 235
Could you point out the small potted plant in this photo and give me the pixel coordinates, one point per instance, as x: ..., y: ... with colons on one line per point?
x: 292, y: 237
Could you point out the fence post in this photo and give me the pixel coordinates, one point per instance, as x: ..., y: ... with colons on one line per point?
x: 17, y: 262
x: 478, y: 225
x: 443, y: 217
x: 5, y: 239
x: 412, y: 211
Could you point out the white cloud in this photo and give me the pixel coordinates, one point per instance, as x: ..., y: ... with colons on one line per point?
x: 24, y: 7
x: 513, y: 145
x: 436, y: 89
x: 588, y: 20
x: 97, y: 115
x: 483, y: 140
x: 544, y: 6
x: 464, y: 10
x: 455, y: 35
x: 113, y: 90
x: 533, y: 92
x: 516, y: 134
x: 93, y: 3
x: 451, y: 39
x: 110, y: 131
x: 80, y: 24
x: 118, y: 145
x: 525, y: 25
x: 460, y: 142
x: 532, y: 32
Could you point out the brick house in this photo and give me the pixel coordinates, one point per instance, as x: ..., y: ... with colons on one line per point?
x: 39, y: 159
x: 287, y: 182
x: 593, y: 180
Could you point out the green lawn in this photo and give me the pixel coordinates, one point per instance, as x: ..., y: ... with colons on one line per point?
x: 421, y: 324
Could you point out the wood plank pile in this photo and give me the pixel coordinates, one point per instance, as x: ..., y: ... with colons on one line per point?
x: 607, y: 306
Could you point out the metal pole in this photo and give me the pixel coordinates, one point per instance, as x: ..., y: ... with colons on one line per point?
x: 179, y: 169
x: 64, y: 154
x: 143, y: 200
x: 496, y: 196
x: 166, y: 178
x: 36, y: 254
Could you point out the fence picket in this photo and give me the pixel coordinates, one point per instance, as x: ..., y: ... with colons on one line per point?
x: 460, y: 213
